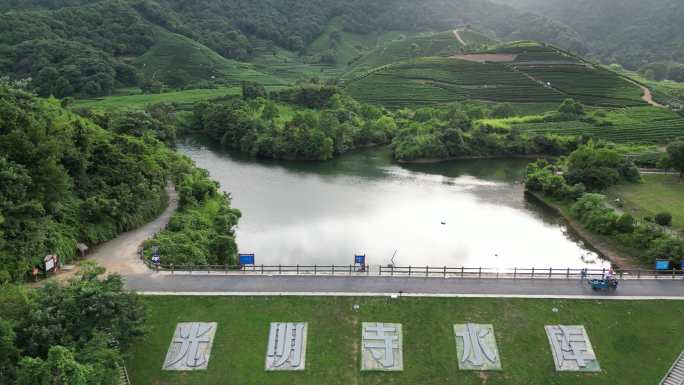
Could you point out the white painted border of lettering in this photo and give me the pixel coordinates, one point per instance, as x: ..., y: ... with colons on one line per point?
x: 428, y: 295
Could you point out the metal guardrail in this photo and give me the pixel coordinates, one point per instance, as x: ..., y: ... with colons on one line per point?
x: 125, y: 378
x: 415, y: 271
x: 530, y: 273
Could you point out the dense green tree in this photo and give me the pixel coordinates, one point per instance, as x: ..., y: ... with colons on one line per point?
x: 68, y: 333
x: 663, y: 219
x: 60, y: 367
x: 675, y: 151
x: 9, y: 354
x: 571, y: 109
x: 625, y: 224
x: 629, y: 32
x: 502, y: 110
x: 253, y: 90
x: 140, y: 123
x: 64, y: 180
x: 598, y: 168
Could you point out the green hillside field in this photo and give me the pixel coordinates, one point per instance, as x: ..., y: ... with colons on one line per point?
x: 427, y: 81
x: 138, y: 101
x: 644, y: 124
x: 441, y: 44
x: 178, y: 59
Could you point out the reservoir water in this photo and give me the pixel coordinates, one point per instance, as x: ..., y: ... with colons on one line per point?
x: 468, y: 213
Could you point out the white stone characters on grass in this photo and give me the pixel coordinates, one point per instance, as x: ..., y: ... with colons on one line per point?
x: 476, y: 347
x: 286, y: 348
x: 190, y: 346
x: 381, y: 346
x: 571, y: 348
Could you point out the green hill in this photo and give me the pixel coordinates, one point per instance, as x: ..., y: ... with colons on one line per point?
x: 427, y: 81
x: 183, y: 42
x: 177, y: 60
x: 519, y: 72
x: 634, y: 33
x: 441, y: 44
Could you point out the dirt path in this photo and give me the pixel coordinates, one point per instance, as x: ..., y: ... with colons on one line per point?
x: 647, y: 95
x: 458, y: 37
x: 487, y: 57
x: 120, y: 255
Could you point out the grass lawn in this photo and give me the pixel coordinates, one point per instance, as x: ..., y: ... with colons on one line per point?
x: 635, y: 342
x: 656, y: 194
x: 124, y: 102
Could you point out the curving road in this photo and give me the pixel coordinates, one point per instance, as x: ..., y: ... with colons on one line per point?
x: 120, y: 255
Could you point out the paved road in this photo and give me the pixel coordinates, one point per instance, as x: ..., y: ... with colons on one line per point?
x: 217, y: 284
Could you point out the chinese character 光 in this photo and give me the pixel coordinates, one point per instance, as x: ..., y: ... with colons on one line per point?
x: 190, y: 337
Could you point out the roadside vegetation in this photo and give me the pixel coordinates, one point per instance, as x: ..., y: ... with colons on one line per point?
x: 579, y: 191
x: 67, y: 179
x: 202, y: 231
x: 75, y: 333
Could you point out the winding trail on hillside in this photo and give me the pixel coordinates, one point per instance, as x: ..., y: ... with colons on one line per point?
x: 120, y: 255
x: 648, y: 97
x: 647, y: 94
x: 459, y: 38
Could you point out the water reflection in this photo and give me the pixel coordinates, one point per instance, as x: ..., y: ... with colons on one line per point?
x: 324, y: 212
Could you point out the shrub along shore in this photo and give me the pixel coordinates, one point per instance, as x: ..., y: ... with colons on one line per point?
x: 573, y: 187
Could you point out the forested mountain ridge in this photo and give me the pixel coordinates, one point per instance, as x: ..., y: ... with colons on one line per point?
x: 634, y: 33
x: 89, y: 48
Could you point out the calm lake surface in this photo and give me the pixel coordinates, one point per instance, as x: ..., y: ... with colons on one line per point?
x: 325, y: 212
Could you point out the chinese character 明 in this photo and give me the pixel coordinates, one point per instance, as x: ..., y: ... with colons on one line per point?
x: 190, y: 338
x: 285, y: 344
x: 475, y: 348
x: 380, y: 344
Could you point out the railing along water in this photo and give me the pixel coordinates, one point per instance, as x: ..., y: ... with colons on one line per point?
x: 415, y: 271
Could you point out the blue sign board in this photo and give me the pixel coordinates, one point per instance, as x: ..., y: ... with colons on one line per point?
x: 246, y: 259
x: 360, y: 259
x: 662, y: 264
x: 682, y: 266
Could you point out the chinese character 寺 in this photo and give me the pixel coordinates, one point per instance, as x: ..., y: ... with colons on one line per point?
x: 380, y: 344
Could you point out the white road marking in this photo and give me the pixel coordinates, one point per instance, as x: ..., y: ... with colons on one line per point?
x: 412, y: 295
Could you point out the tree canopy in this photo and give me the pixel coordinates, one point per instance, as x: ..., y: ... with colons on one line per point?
x: 68, y: 334
x: 65, y: 179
